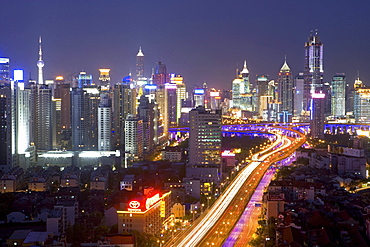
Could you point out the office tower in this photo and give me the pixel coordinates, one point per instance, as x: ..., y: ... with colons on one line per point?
x: 285, y: 93
x: 84, y: 118
x: 124, y: 103
x: 5, y: 125
x: 361, y: 102
x: 92, y: 101
x: 4, y: 69
x: 77, y: 119
x: 85, y: 80
x: 42, y: 117
x: 198, y: 97
x: 56, y: 122
x: 140, y: 64
x: 104, y: 121
x: 215, y: 99
x: 160, y: 75
x: 146, y: 113
x: 242, y: 91
x: 180, y: 92
x: 338, y: 95
x: 62, y: 91
x: 23, y: 116
x: 313, y: 96
x: 171, y: 97
x: 263, y: 94
x: 236, y: 89
x: 205, y: 137
x: 298, y: 96
x: 133, y: 139
x: 104, y: 77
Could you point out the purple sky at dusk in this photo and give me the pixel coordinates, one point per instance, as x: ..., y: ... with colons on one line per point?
x: 204, y: 40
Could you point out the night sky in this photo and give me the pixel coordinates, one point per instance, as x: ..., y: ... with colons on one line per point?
x: 203, y: 40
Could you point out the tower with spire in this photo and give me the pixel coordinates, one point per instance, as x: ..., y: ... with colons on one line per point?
x: 285, y: 93
x: 140, y: 64
x: 40, y: 64
x: 42, y: 107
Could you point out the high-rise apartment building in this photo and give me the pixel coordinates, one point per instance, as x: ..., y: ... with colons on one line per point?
x: 124, y: 103
x: 146, y: 113
x: 133, y: 139
x: 338, y: 95
x: 104, y: 121
x: 205, y: 137
x: 5, y: 126
x: 285, y: 93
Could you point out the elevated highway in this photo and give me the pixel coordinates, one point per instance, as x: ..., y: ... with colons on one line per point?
x: 214, y: 225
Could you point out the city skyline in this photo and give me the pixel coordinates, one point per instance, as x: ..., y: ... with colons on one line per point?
x: 191, y: 39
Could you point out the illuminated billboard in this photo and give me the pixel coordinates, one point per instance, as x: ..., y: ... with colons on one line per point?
x: 318, y: 95
x: 18, y: 75
x: 199, y: 91
x: 214, y: 94
x: 150, y: 86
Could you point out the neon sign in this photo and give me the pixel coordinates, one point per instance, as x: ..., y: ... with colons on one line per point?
x: 152, y: 200
x: 134, y: 204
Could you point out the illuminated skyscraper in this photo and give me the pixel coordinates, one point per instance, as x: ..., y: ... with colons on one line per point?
x: 42, y: 105
x: 205, y: 137
x: 140, y: 64
x: 180, y: 92
x: 285, y: 93
x: 313, y: 96
x: 160, y: 76
x: 4, y: 69
x: 104, y: 121
x: 242, y: 91
x: 133, y: 138
x: 104, y: 77
x: 85, y: 80
x: 124, y: 103
x: 5, y: 126
x: 338, y: 95
x: 361, y: 102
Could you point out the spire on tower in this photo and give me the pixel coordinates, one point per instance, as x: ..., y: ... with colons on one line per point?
x: 40, y: 64
x: 245, y: 69
x: 285, y: 67
x: 140, y: 53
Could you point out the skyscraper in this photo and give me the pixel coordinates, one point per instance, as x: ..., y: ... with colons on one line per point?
x: 361, y: 102
x: 4, y: 69
x: 313, y: 97
x: 285, y: 93
x: 42, y: 105
x: 124, y: 103
x: 5, y: 126
x: 133, y: 138
x: 140, y: 64
x: 205, y: 137
x: 104, y: 77
x: 242, y: 91
x: 338, y: 95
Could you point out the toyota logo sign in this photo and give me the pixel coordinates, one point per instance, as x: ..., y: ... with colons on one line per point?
x: 134, y: 204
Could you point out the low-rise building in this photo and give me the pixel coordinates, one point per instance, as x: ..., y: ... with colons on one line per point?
x: 149, y: 213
